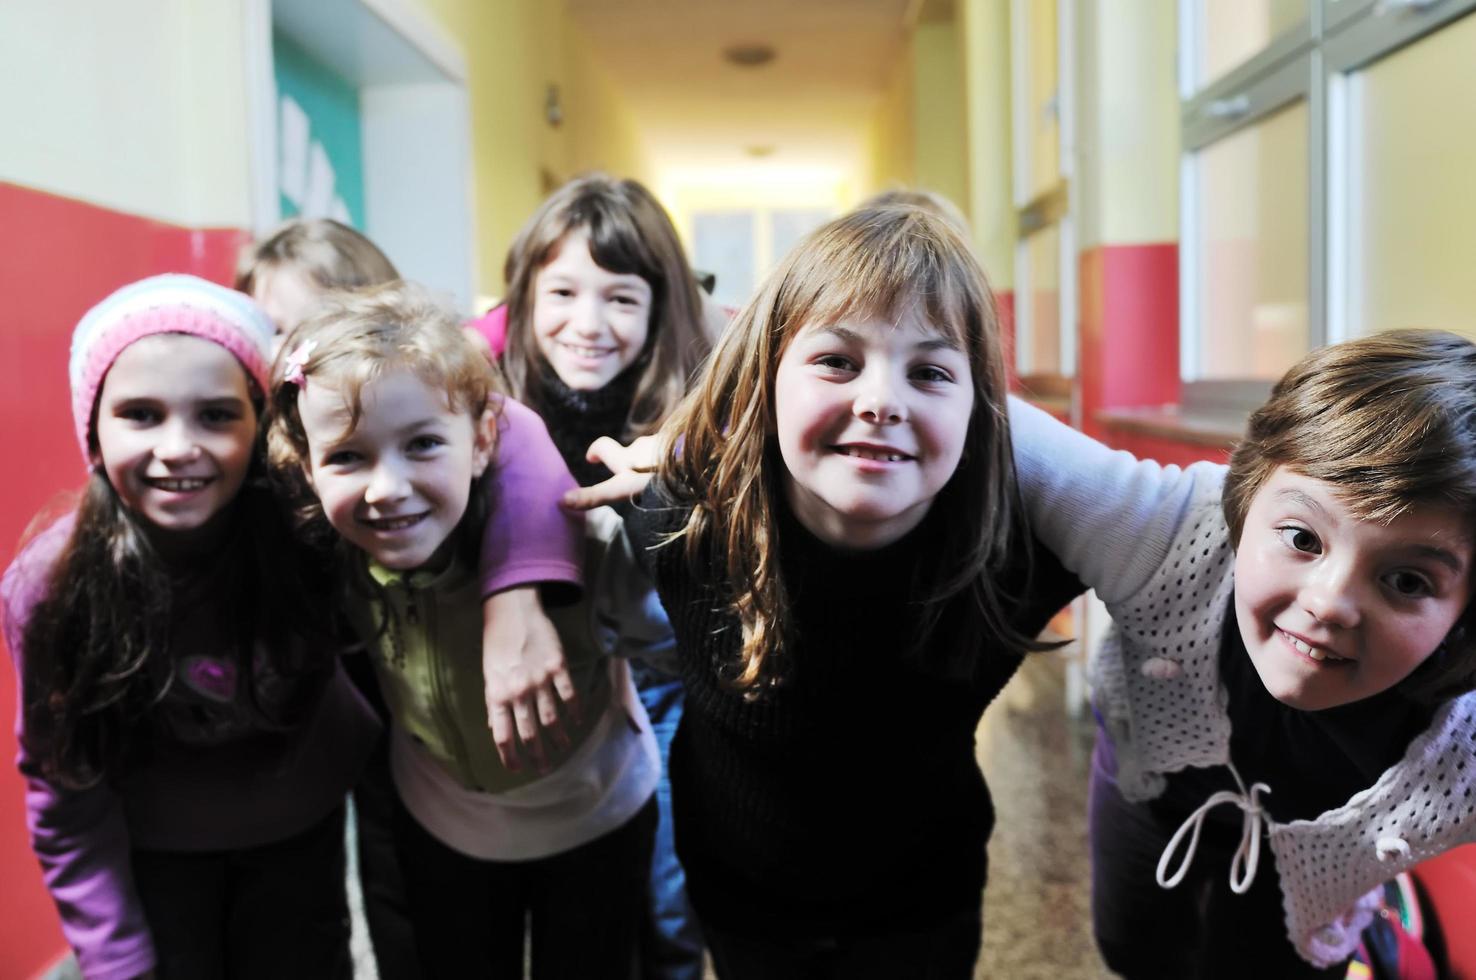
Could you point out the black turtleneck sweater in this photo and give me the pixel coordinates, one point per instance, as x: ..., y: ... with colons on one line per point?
x: 848, y: 800
x: 577, y: 418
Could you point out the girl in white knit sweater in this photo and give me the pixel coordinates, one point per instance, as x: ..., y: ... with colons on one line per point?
x: 1291, y: 659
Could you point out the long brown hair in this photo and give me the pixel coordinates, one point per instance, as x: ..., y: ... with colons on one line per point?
x: 629, y: 234
x: 720, y: 457
x: 97, y: 648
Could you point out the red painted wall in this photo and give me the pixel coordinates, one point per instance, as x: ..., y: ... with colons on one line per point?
x: 58, y: 256
x: 1004, y: 304
x: 1129, y: 332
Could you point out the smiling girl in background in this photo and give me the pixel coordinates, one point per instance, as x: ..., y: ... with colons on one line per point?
x: 1292, y: 660
x: 605, y: 331
x: 186, y: 735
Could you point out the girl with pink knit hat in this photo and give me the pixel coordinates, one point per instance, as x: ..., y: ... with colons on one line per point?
x: 187, y: 736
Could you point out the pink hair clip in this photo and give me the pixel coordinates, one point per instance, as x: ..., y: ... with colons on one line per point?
x: 297, y: 361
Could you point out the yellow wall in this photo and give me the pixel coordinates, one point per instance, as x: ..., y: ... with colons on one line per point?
x: 515, y: 49
x: 933, y: 126
x: 602, y: 131
x: 940, y: 161
x: 1127, y: 123
x: 892, y: 147
x: 984, y: 37
x: 142, y: 110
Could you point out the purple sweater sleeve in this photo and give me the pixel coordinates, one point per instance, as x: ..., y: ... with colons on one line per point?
x: 529, y: 538
x: 79, y: 836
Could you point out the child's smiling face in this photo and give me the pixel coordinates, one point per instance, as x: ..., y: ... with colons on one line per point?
x: 176, y: 429
x: 1334, y: 609
x: 589, y: 323
x: 397, y: 484
x: 871, y: 418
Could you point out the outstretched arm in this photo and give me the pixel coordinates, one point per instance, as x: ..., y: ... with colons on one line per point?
x: 1108, y: 516
x: 529, y: 544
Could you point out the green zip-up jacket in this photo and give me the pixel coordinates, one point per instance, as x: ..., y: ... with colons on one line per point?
x: 424, y: 631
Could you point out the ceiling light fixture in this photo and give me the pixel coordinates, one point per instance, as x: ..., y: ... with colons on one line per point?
x: 748, y: 55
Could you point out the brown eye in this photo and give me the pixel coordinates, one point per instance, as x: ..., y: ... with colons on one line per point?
x: 1408, y: 583
x: 1300, y: 539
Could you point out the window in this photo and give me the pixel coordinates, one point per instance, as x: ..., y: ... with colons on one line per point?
x: 1321, y: 192
x: 741, y: 247
x: 1402, y: 237
x: 1251, y: 241
x: 1045, y: 252
x: 1228, y: 33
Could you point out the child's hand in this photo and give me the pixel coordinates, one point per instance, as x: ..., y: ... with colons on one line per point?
x: 631, y: 465
x: 526, y: 678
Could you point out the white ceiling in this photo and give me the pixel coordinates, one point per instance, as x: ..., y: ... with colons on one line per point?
x: 813, y: 103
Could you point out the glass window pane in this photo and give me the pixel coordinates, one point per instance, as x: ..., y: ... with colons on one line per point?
x: 1042, y: 125
x: 788, y: 226
x: 1252, y: 248
x: 1043, y: 310
x: 723, y: 244
x: 1412, y: 150
x: 1234, y: 31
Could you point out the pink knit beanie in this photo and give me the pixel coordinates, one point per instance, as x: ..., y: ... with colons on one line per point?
x: 163, y: 304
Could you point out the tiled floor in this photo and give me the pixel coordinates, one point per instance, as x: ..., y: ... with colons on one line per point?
x: 1037, y: 907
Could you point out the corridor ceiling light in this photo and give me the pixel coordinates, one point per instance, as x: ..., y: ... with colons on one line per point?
x: 748, y: 55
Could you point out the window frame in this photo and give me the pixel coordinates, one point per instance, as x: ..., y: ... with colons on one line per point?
x: 1051, y: 207
x: 1366, y: 32
x: 1313, y: 61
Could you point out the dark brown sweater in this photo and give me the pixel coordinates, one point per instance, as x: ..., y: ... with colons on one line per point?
x: 848, y: 800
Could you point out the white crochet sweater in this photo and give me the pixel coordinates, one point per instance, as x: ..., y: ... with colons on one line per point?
x: 1152, y: 541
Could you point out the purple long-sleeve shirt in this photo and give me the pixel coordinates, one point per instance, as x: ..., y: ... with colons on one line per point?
x: 235, y: 789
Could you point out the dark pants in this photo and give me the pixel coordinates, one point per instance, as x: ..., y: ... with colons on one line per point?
x: 1198, y: 929
x: 583, y: 907
x: 946, y: 950
x: 386, y: 905
x: 269, y: 912
x: 386, y: 908
x: 671, y: 942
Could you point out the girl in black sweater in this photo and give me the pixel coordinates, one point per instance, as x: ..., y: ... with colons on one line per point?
x: 835, y: 532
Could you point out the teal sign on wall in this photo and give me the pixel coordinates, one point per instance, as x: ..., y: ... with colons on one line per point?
x: 320, y: 171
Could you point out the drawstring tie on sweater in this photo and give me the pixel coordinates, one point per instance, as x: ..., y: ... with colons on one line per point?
x: 1243, y: 867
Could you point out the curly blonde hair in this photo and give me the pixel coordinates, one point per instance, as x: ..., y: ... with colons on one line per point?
x: 354, y: 338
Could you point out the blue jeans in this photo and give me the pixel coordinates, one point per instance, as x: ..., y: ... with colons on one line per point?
x: 671, y: 942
